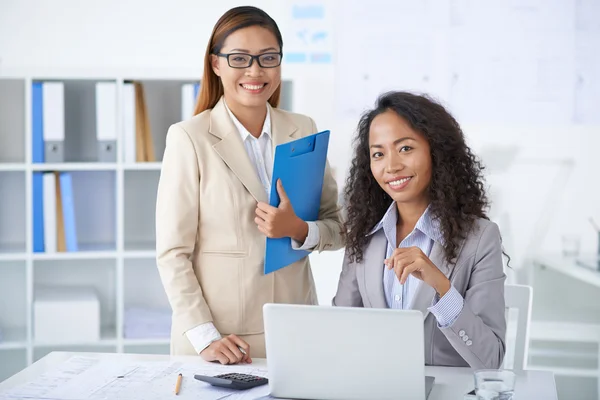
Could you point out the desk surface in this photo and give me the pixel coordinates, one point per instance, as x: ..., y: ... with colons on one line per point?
x: 450, y: 383
x: 569, y: 266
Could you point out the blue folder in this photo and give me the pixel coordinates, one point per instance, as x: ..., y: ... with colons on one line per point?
x: 38, y: 211
x: 300, y: 165
x: 37, y: 122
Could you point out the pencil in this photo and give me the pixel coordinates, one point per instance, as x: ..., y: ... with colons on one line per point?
x: 178, y: 385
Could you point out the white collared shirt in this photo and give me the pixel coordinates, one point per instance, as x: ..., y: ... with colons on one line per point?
x: 259, y: 149
x: 260, y: 152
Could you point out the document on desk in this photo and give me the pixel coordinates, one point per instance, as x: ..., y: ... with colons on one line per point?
x: 84, y: 378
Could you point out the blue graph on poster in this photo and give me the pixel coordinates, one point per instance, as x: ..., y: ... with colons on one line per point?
x: 310, y: 11
x: 310, y: 40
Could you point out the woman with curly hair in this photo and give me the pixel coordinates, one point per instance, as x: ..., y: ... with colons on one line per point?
x: 417, y: 232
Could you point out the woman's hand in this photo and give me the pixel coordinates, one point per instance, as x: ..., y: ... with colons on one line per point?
x: 227, y: 351
x: 411, y: 260
x: 278, y: 222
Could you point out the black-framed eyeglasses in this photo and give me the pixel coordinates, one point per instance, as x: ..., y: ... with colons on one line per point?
x: 243, y: 60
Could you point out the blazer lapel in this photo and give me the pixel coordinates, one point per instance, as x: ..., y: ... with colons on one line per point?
x: 373, y: 269
x: 283, y: 129
x: 425, y: 293
x: 231, y: 149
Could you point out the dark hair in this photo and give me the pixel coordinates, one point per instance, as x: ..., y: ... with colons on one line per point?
x: 456, y: 192
x: 211, y: 88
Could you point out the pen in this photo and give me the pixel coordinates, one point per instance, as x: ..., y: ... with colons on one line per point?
x: 178, y: 385
x: 242, y: 350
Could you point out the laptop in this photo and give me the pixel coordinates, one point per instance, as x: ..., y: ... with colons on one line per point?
x: 343, y: 353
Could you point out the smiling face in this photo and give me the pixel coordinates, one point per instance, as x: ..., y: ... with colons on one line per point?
x: 252, y: 86
x: 400, y: 159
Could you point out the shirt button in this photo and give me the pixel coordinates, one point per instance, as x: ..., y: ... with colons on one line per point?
x: 461, y: 333
x: 397, y: 297
x: 465, y: 338
x: 469, y: 343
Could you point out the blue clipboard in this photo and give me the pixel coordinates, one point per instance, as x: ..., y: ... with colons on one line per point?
x: 300, y: 164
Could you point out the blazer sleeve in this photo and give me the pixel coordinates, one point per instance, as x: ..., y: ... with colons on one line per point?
x: 177, y: 209
x: 331, y: 236
x: 348, y: 294
x: 482, y: 320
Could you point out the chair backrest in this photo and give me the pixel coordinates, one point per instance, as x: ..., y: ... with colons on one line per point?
x: 518, y: 297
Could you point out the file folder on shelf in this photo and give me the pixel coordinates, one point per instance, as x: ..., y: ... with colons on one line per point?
x: 37, y: 123
x: 48, y: 122
x: 53, y: 105
x: 68, y: 211
x: 54, y: 227
x: 143, y: 133
x: 138, y: 145
x: 106, y: 121
x: 38, y: 212
x: 129, y: 133
x: 189, y: 95
x: 300, y: 164
x: 50, y: 212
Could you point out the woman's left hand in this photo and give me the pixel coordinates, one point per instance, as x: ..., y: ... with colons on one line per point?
x: 411, y: 260
x: 282, y: 221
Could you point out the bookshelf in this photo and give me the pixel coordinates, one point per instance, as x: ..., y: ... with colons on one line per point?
x: 114, y: 206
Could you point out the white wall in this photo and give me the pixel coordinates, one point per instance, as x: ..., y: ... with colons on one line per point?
x: 539, y: 191
x: 109, y: 34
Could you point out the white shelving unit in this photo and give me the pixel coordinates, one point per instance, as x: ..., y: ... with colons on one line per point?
x: 114, y: 211
x: 565, y: 329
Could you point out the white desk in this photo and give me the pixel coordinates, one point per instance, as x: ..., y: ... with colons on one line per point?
x: 450, y: 383
x: 569, y: 267
x: 564, y: 310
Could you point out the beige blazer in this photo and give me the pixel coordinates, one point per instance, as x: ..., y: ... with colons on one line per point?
x: 477, y: 336
x: 210, y: 254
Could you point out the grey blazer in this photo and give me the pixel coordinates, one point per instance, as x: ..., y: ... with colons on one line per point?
x: 477, y: 336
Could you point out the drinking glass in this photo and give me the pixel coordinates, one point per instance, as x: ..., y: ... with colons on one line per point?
x: 494, y: 384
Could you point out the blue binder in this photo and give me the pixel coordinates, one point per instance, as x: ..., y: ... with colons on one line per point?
x: 38, y: 211
x: 300, y: 165
x: 37, y: 122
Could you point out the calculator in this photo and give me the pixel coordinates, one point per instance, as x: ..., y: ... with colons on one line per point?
x: 233, y: 380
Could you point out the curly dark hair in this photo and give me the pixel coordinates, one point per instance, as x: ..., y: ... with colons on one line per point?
x: 456, y: 192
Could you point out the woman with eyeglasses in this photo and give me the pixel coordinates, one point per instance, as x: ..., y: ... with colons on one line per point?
x: 212, y: 211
